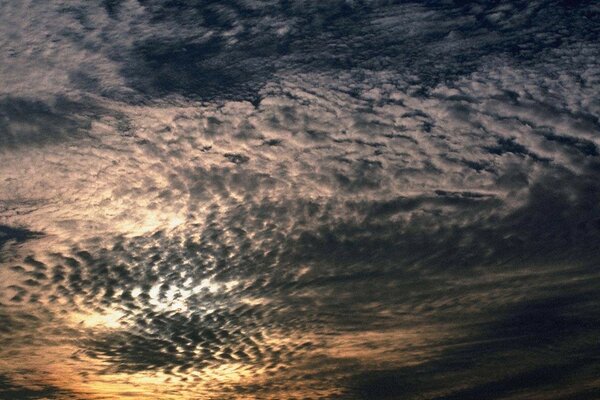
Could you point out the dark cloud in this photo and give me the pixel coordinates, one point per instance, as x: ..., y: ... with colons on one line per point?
x: 554, y: 336
x: 208, y: 50
x: 9, y: 390
x: 31, y: 122
x: 204, y: 70
x: 19, y: 235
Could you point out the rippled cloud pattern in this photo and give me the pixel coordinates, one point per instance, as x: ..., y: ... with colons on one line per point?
x: 297, y: 199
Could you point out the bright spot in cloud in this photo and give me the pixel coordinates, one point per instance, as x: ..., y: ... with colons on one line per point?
x: 110, y: 319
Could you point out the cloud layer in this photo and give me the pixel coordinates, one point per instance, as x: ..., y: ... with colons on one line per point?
x: 373, y: 200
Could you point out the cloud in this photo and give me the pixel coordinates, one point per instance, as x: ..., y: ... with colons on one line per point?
x: 543, y: 332
x: 15, y: 391
x: 135, y: 51
x: 19, y: 235
x: 34, y: 122
x: 363, y: 199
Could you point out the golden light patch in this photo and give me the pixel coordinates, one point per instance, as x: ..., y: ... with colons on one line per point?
x: 111, y: 319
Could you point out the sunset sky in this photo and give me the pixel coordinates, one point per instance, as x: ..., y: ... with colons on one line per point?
x: 300, y: 199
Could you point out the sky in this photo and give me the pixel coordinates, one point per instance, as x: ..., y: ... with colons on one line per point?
x: 299, y: 199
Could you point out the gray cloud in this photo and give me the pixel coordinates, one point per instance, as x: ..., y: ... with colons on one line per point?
x: 15, y: 391
x: 9, y: 233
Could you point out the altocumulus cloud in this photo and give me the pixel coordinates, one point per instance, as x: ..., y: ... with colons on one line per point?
x: 283, y: 199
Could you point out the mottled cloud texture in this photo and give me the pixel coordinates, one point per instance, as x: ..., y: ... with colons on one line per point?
x: 299, y: 199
